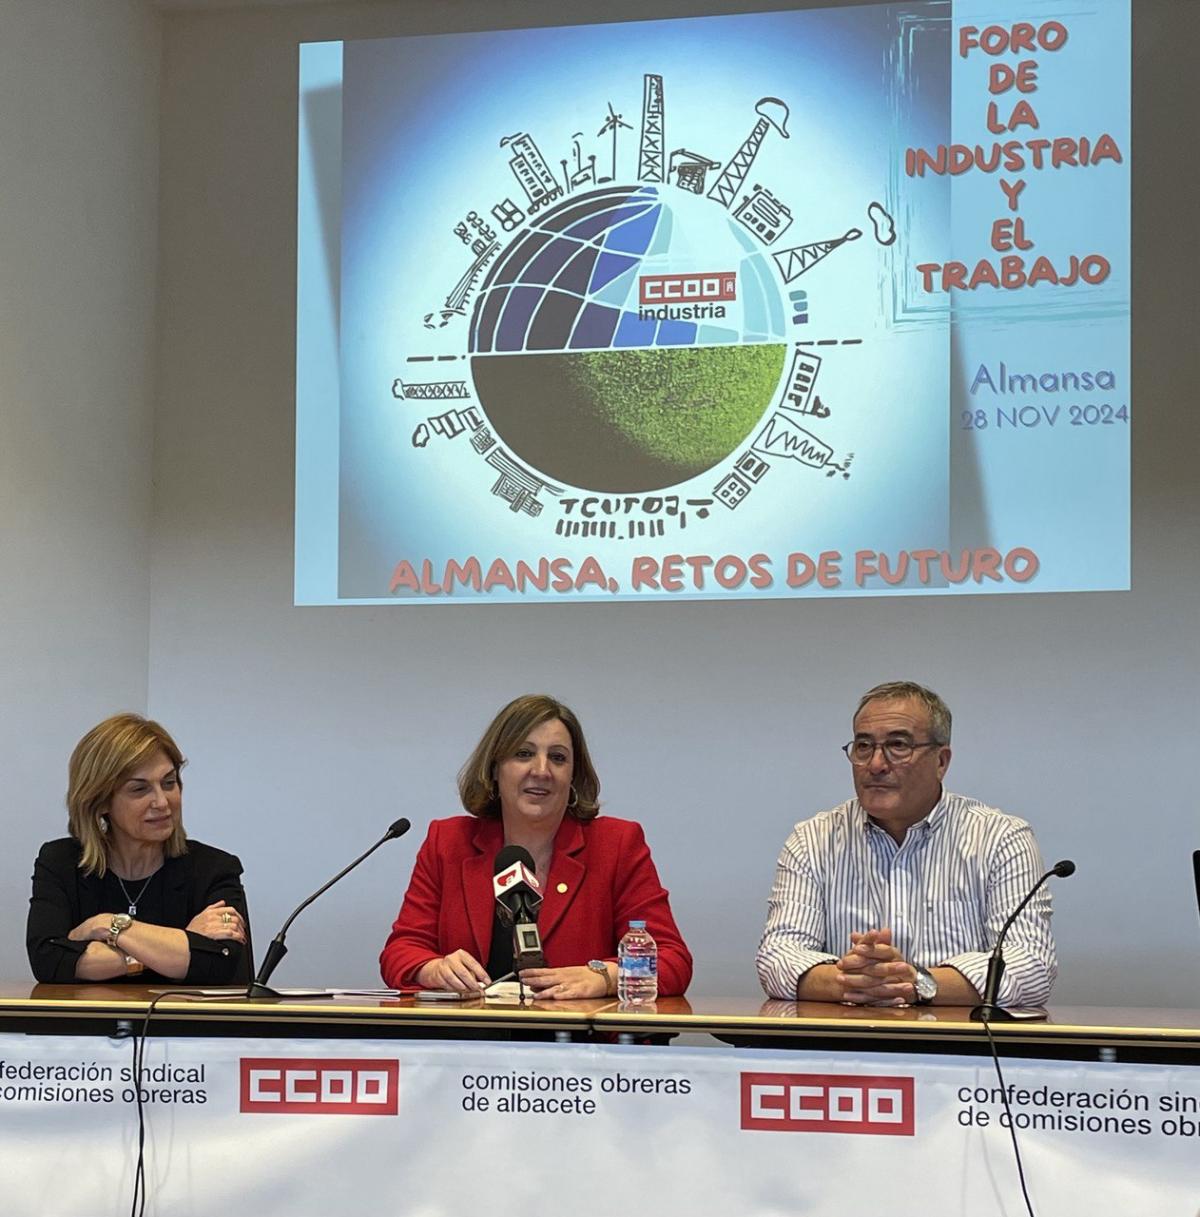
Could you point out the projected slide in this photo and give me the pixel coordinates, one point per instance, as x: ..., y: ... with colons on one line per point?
x: 819, y: 303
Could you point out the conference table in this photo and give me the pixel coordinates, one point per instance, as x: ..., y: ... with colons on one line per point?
x: 704, y: 1104
x: 1133, y: 1032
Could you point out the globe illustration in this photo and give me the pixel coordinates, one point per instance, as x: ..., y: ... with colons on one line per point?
x: 598, y: 387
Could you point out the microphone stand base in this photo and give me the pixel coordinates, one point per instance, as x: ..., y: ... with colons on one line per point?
x: 990, y: 1014
x: 261, y: 992
x: 258, y: 990
x: 998, y: 1014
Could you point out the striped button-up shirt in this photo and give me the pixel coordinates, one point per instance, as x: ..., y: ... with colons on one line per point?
x: 944, y: 893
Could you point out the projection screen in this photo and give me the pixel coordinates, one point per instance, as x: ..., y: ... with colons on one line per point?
x: 819, y: 303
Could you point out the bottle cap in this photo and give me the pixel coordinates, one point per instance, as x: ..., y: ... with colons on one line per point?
x: 637, y: 925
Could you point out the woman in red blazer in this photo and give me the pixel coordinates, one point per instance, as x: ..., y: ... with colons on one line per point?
x: 530, y: 783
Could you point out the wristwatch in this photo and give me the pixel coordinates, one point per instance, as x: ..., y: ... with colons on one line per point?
x: 925, y: 985
x: 120, y: 921
x: 599, y: 966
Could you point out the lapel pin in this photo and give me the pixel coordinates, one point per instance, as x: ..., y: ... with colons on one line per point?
x: 562, y: 887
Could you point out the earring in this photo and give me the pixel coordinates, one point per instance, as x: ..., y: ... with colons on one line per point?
x: 104, y: 824
x: 573, y: 801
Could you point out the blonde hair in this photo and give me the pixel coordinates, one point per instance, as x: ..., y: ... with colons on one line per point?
x: 507, y: 732
x: 102, y: 760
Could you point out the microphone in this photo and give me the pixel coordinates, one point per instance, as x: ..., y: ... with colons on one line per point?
x: 515, y: 885
x: 278, y: 948
x: 519, y: 896
x: 988, y: 1010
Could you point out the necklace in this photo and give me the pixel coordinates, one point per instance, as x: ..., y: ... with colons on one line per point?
x: 133, y: 900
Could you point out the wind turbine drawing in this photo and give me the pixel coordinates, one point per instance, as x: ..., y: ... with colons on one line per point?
x: 612, y: 123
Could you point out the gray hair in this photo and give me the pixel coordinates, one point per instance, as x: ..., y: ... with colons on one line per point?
x: 896, y: 690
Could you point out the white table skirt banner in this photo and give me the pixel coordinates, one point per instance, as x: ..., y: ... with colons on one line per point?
x: 320, y: 1127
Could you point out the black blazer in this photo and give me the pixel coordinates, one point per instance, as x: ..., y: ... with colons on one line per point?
x: 63, y: 896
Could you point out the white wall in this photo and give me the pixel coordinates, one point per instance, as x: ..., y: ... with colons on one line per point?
x: 78, y: 247
x: 715, y: 724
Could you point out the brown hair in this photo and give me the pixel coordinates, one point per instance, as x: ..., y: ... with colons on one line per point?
x: 102, y: 760
x: 507, y: 732
x: 899, y: 690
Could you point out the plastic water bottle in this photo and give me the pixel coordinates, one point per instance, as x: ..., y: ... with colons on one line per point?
x: 637, y: 966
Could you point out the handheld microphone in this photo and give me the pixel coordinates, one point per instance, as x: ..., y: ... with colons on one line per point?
x: 515, y: 885
x: 278, y: 948
x: 989, y: 1010
x: 519, y: 896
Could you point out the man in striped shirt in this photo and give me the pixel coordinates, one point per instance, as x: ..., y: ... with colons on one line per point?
x: 898, y: 896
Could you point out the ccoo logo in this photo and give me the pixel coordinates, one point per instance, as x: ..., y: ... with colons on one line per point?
x: 681, y: 289
x: 824, y: 1102
x: 320, y: 1086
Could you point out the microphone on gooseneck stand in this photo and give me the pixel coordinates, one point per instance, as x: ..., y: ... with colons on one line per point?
x: 989, y: 1010
x: 278, y: 948
x: 519, y: 896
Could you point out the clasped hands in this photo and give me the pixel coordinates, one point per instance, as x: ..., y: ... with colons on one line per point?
x: 874, y: 973
x: 463, y: 973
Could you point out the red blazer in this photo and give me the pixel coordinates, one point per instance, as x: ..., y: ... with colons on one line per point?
x: 601, y: 876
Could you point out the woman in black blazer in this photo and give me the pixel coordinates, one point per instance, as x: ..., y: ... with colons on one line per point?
x: 127, y: 896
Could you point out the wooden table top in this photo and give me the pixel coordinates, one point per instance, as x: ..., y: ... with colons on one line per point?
x: 737, y: 1016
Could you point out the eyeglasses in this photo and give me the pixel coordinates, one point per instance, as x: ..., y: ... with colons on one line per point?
x: 860, y: 752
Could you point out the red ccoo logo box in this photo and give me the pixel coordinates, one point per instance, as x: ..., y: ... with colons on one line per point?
x: 711, y: 287
x: 828, y: 1102
x: 320, y: 1086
